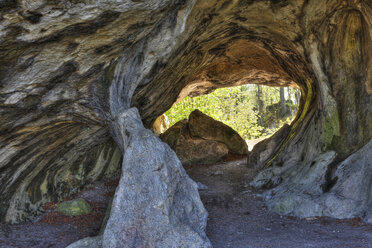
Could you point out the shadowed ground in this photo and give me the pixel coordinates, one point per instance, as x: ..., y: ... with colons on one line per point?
x: 238, y: 218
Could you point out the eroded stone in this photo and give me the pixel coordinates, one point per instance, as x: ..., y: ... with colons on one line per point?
x: 156, y: 204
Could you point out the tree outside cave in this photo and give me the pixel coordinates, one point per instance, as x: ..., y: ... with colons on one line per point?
x: 254, y: 111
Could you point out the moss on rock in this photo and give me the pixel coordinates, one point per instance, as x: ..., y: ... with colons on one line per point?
x: 74, y: 207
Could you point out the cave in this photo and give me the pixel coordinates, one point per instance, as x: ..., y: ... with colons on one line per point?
x: 82, y: 82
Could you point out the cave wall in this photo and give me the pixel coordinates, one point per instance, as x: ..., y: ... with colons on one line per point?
x: 314, y: 173
x: 68, y: 68
x: 57, y: 63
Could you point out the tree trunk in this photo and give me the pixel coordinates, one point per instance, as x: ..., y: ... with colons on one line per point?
x: 289, y: 100
x: 260, y: 105
x: 283, y: 108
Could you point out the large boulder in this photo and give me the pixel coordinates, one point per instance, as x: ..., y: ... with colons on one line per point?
x: 205, y: 127
x: 156, y: 204
x: 193, y: 150
x: 199, y: 151
x: 178, y: 131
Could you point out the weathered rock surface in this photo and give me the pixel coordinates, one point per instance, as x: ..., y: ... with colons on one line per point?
x: 193, y: 151
x: 205, y: 127
x: 68, y: 68
x: 58, y: 64
x: 302, y: 191
x: 90, y: 242
x: 156, y: 204
x: 199, y: 151
x: 194, y: 143
x: 262, y: 152
x: 179, y: 131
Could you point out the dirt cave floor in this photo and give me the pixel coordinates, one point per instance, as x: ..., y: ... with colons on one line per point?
x: 238, y: 217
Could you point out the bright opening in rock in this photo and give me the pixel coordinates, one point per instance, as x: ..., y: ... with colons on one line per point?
x: 254, y: 111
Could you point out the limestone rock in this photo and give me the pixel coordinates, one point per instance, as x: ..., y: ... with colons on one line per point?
x: 205, y: 127
x: 156, y: 204
x: 74, y: 207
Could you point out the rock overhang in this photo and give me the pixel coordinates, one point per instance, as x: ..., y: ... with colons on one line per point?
x: 59, y: 63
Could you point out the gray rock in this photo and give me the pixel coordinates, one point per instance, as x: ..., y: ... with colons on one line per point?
x: 67, y: 68
x: 156, y: 204
x: 201, y: 186
x: 293, y: 195
x: 301, y: 194
x: 368, y: 217
x: 90, y: 242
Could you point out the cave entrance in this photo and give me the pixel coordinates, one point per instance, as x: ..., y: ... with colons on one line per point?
x: 254, y: 111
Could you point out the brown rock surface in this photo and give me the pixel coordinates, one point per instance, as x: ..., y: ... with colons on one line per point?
x: 205, y: 127
x: 191, y: 150
x: 199, y: 151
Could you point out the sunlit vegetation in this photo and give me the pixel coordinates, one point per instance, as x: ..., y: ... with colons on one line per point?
x: 254, y: 111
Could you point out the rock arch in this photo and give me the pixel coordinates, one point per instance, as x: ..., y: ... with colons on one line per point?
x: 69, y: 68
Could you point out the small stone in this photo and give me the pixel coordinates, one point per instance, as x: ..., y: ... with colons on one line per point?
x: 201, y: 186
x: 216, y: 173
x: 89, y: 242
x: 75, y: 207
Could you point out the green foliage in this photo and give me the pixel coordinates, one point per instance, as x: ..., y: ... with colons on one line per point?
x: 237, y: 107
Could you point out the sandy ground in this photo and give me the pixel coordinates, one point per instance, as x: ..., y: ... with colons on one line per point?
x: 52, y: 229
x: 238, y: 218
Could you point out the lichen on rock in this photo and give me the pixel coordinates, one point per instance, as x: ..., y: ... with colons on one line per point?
x: 74, y: 207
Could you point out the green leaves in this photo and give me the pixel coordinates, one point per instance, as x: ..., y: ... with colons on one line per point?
x: 237, y: 107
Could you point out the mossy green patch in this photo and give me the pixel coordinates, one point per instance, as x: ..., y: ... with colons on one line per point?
x: 74, y: 208
x: 280, y: 208
x: 306, y: 107
x: 330, y: 127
